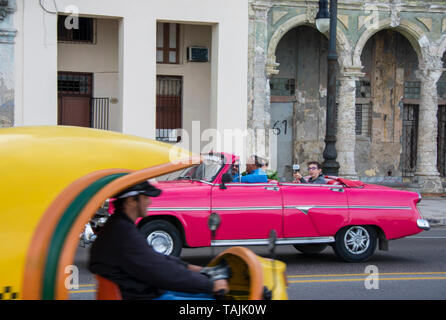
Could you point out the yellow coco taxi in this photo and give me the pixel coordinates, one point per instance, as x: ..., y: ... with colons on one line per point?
x: 54, y: 178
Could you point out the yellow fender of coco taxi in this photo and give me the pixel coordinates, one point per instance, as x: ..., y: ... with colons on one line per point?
x: 54, y: 178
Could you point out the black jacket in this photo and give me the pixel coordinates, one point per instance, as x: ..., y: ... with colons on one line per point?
x: 319, y: 180
x: 121, y: 254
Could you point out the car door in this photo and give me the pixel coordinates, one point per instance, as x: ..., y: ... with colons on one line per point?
x: 312, y: 210
x: 248, y: 211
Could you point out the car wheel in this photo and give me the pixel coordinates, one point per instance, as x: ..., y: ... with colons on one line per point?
x: 311, y: 248
x: 355, y: 243
x: 164, y: 237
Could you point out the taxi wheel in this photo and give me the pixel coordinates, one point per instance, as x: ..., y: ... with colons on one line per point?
x: 164, y: 237
x: 355, y: 243
x: 313, y: 248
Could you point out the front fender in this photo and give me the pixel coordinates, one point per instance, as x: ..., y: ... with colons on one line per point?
x: 191, y: 226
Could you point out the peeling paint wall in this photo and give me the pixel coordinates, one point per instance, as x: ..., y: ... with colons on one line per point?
x: 302, y: 54
x: 389, y: 60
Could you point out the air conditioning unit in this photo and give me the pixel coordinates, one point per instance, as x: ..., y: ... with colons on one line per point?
x: 197, y: 54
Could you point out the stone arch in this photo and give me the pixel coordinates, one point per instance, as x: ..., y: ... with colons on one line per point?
x: 414, y: 34
x: 342, y: 43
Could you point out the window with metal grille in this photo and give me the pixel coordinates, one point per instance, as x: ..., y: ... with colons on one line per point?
x: 363, y: 120
x: 168, y: 108
x: 282, y: 87
x: 74, y: 83
x: 85, y: 33
x: 167, y: 43
x: 363, y: 114
x: 409, y: 140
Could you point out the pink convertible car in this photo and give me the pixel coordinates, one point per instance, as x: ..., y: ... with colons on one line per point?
x: 350, y: 216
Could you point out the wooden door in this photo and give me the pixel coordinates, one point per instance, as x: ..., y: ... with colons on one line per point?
x: 74, y: 111
x: 74, y: 104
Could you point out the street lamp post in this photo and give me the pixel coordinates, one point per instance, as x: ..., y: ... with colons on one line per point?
x: 330, y: 165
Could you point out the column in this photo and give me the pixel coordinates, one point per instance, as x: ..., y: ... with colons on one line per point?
x: 346, y: 124
x: 426, y: 173
x: 258, y: 116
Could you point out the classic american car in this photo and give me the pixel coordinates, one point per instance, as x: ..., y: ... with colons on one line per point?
x: 351, y: 216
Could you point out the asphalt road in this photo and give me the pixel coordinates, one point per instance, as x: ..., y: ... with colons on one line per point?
x: 413, y: 268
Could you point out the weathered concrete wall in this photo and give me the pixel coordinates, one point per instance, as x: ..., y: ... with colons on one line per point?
x: 389, y: 60
x: 302, y: 54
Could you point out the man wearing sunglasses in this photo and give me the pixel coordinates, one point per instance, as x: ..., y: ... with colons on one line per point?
x: 315, y: 172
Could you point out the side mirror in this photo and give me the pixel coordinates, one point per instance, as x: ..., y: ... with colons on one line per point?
x: 226, y: 178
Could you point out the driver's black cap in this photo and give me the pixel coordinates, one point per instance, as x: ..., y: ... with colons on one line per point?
x: 141, y: 188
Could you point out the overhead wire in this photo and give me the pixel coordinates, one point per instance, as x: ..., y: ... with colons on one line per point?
x: 46, y: 9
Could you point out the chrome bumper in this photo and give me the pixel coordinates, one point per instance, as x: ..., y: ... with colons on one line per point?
x: 423, y: 224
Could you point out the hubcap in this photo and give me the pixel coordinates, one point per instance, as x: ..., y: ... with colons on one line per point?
x: 357, y: 240
x: 161, y: 242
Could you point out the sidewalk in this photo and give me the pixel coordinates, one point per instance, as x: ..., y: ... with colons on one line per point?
x: 433, y: 210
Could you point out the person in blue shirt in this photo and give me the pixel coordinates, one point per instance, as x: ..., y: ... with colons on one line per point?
x: 254, y: 168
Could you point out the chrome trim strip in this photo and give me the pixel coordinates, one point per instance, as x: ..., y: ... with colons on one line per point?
x: 242, y: 184
x: 207, y: 182
x: 311, y: 185
x: 280, y: 241
x: 381, y: 207
x: 247, y: 208
x: 178, y: 209
x: 304, y: 209
x: 346, y: 207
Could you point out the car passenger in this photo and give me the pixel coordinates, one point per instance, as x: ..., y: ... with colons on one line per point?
x: 122, y: 255
x: 315, y: 171
x: 255, y: 173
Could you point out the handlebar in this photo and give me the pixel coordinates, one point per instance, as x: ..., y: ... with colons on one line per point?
x: 218, y: 272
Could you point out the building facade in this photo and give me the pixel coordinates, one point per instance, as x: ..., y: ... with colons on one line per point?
x: 165, y: 70
x: 187, y: 72
x: 390, y: 88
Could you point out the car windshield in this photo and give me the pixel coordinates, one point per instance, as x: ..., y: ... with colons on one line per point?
x: 206, y: 171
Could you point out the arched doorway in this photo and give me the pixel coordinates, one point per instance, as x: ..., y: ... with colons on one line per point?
x: 298, y: 98
x: 387, y: 100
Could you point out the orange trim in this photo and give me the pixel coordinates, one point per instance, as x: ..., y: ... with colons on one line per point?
x: 107, y: 290
x: 69, y: 249
x: 255, y: 269
x: 38, y: 249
